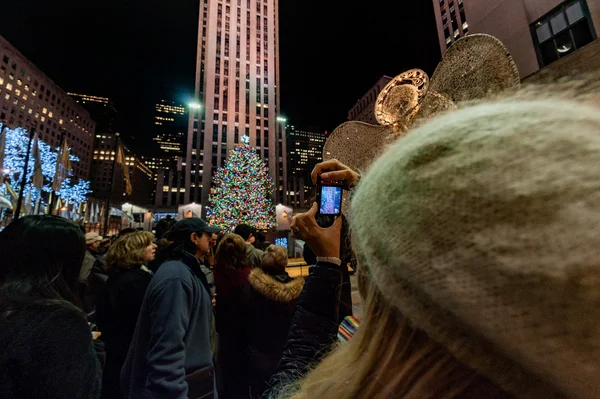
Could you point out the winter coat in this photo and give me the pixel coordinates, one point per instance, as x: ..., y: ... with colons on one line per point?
x: 46, y: 351
x: 270, y: 306
x: 117, y: 312
x: 314, y: 327
x: 230, y: 317
x: 172, y: 335
x: 254, y: 255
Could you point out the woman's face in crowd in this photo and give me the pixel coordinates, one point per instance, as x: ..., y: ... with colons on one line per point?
x: 149, y: 253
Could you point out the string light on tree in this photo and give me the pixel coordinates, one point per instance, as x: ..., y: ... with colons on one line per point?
x: 14, y: 160
x: 242, y: 191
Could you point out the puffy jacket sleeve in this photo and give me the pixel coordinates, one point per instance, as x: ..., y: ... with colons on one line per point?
x: 313, y: 329
x: 171, y: 305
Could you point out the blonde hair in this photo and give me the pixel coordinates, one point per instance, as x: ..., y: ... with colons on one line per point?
x: 128, y: 251
x: 231, y: 252
x: 388, y: 358
x: 276, y: 258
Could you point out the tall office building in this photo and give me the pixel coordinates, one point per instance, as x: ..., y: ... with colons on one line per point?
x: 364, y: 109
x: 560, y: 35
x: 141, y: 177
x: 102, y: 111
x: 170, y: 124
x: 237, y: 84
x: 305, y: 151
x: 30, y: 98
x: 451, y: 21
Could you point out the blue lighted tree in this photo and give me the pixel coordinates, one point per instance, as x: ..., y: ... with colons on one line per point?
x: 14, y: 160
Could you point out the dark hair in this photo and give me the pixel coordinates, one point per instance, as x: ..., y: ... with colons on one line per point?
x: 260, y: 236
x: 243, y: 230
x: 231, y: 252
x: 41, y: 258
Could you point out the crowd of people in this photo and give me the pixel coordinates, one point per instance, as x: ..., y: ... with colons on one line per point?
x: 476, y: 240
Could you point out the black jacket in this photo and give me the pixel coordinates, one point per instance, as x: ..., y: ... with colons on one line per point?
x: 314, y: 327
x: 46, y: 351
x: 117, y: 312
x: 270, y: 306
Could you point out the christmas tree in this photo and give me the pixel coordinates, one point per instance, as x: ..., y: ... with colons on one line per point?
x: 241, y: 192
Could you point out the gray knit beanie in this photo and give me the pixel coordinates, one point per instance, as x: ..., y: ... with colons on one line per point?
x: 483, y: 228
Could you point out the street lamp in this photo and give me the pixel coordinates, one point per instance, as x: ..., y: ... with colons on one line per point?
x: 281, y: 119
x: 195, y: 105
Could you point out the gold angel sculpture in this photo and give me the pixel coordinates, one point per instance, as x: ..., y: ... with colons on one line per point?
x: 475, y: 67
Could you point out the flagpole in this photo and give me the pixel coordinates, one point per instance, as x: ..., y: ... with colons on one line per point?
x: 110, y: 186
x: 17, y: 213
x: 54, y: 195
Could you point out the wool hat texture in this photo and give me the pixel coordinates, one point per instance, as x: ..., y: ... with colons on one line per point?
x: 483, y: 228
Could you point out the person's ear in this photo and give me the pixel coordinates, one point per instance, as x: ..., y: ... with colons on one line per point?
x: 193, y: 238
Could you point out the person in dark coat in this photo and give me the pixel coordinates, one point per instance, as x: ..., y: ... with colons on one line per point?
x: 231, y: 278
x: 271, y: 302
x: 314, y: 326
x: 47, y: 349
x: 120, y: 302
x: 170, y: 355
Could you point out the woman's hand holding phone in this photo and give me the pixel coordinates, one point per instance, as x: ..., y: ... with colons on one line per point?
x: 325, y: 242
x: 334, y: 170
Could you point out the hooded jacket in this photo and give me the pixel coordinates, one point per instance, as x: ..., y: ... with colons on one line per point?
x: 270, y: 307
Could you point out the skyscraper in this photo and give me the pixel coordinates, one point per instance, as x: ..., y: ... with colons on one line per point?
x: 451, y: 21
x: 305, y: 150
x: 170, y: 128
x: 102, y: 111
x: 237, y: 84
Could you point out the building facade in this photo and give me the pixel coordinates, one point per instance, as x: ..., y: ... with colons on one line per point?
x: 170, y: 123
x: 237, y: 84
x: 364, y: 109
x: 101, y: 109
x: 29, y: 98
x: 538, y: 33
x: 305, y: 151
x: 140, y: 175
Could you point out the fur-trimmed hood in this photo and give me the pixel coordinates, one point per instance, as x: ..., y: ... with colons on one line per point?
x: 273, y: 289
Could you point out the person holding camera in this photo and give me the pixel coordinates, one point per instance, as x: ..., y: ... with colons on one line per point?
x: 477, y: 242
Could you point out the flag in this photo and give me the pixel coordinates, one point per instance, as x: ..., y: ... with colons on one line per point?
x: 121, y: 160
x: 27, y: 206
x: 2, y: 146
x: 63, y: 166
x: 94, y: 213
x: 38, y: 178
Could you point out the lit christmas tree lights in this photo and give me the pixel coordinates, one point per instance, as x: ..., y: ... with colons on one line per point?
x: 242, y: 192
x: 14, y: 160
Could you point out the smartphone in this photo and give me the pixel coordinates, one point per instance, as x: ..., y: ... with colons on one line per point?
x: 329, y: 198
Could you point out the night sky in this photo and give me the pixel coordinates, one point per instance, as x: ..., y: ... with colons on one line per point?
x: 137, y: 52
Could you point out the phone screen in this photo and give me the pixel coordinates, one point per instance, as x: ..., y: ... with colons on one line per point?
x: 331, y: 200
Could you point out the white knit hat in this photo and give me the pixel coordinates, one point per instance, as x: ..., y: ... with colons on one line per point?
x: 483, y: 228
